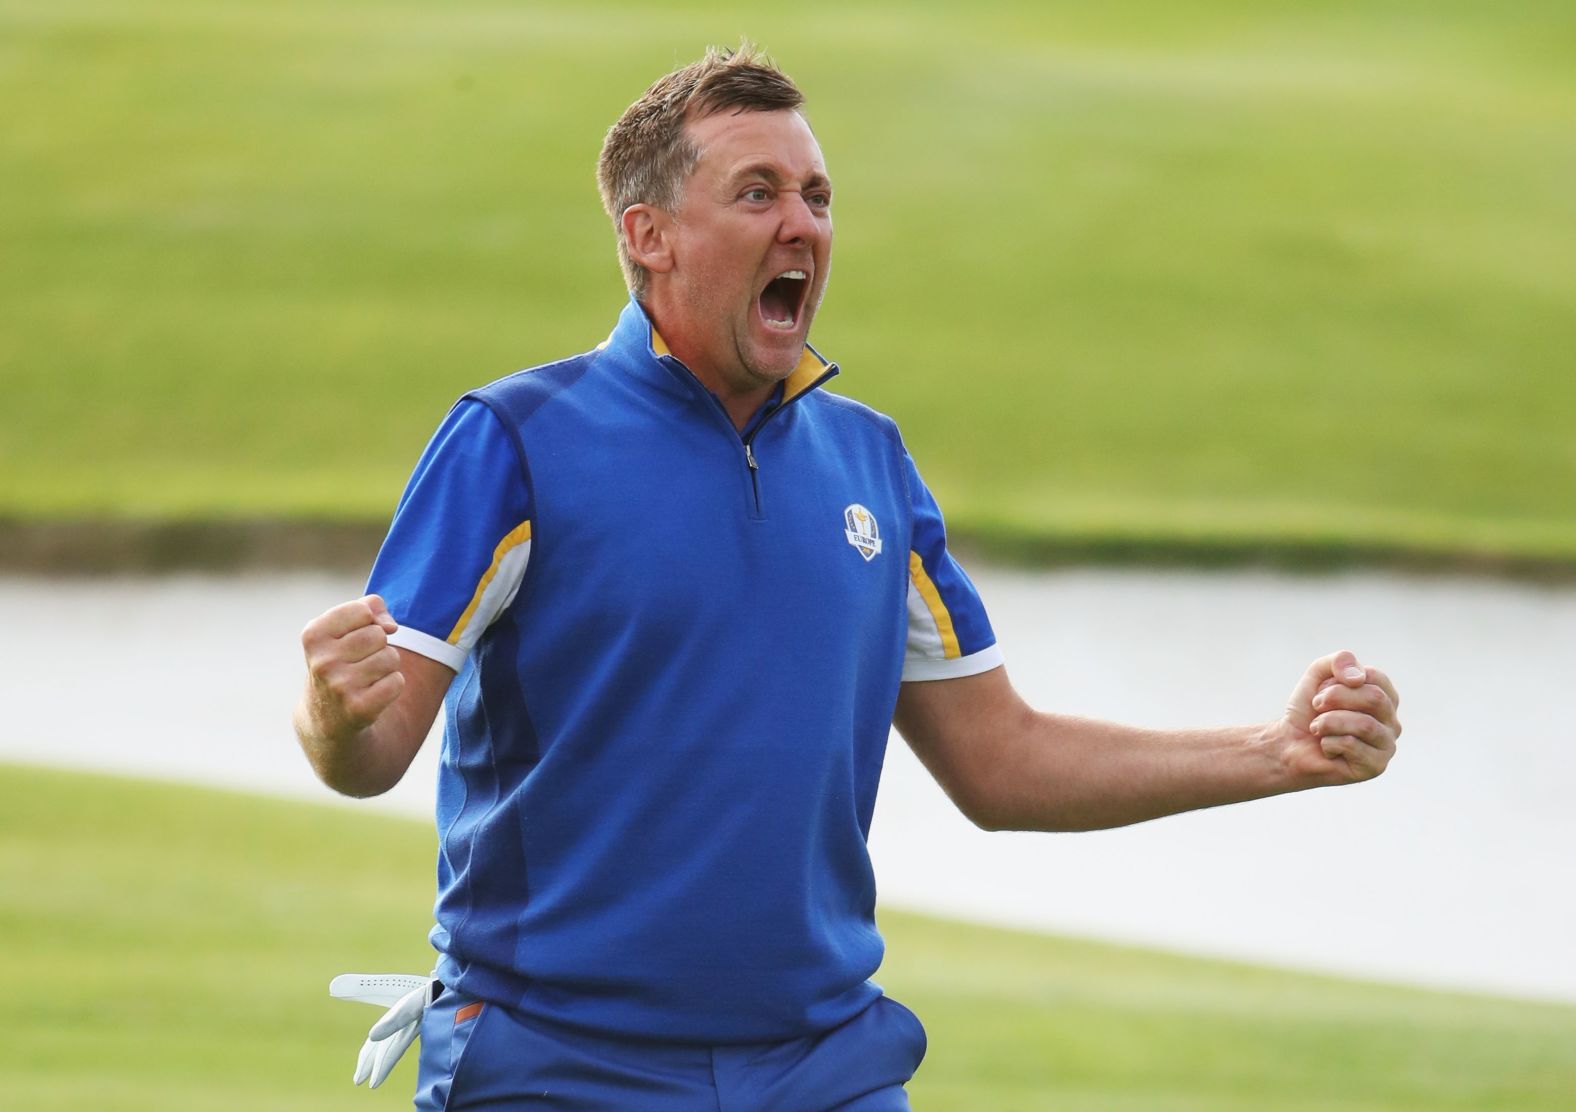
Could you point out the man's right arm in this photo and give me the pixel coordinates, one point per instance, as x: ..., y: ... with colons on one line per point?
x: 368, y: 705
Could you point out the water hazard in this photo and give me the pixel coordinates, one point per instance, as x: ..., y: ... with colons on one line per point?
x: 1454, y: 869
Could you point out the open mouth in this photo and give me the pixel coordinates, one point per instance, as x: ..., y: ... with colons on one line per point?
x: 782, y: 300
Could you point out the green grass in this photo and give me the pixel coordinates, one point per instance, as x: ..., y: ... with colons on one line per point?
x: 168, y: 948
x: 1203, y: 272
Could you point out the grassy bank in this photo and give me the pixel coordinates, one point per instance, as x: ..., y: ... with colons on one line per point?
x: 169, y: 948
x: 1193, y: 275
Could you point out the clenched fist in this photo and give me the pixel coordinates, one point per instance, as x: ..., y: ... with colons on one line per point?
x: 353, y: 673
x: 1340, y: 724
x: 367, y: 706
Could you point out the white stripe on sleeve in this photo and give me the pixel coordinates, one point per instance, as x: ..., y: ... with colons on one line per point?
x: 959, y: 666
x: 498, y: 594
x: 924, y: 636
x: 424, y: 644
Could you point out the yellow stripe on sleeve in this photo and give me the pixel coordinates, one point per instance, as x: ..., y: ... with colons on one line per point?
x: 513, y: 539
x: 938, y: 609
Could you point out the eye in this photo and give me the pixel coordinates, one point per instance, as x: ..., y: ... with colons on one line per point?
x: 758, y: 194
x: 819, y: 200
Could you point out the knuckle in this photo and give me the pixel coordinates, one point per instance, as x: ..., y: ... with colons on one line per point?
x: 364, y: 642
x: 320, y: 661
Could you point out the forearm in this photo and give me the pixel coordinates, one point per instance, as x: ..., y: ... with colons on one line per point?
x: 1058, y: 772
x: 1010, y: 767
x: 353, y: 761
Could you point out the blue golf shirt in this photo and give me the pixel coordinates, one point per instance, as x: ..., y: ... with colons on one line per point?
x: 678, y: 651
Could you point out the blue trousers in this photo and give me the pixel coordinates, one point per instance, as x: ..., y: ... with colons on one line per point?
x: 478, y: 1055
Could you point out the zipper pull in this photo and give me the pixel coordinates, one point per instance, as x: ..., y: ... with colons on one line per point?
x: 749, y: 457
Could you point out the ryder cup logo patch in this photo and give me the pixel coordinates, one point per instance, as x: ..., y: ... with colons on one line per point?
x: 860, y: 529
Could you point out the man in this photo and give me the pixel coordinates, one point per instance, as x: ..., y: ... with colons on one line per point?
x: 686, y: 591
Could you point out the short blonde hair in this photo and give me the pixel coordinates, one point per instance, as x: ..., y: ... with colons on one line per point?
x: 647, y: 154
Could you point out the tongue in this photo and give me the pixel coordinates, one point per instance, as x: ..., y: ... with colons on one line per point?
x: 777, y: 302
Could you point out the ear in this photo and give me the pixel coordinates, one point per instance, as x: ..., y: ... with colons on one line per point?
x: 648, y: 237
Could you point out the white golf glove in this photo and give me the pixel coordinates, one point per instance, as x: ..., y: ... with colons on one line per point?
x: 407, y: 997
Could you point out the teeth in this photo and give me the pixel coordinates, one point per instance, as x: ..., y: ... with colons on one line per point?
x: 792, y: 274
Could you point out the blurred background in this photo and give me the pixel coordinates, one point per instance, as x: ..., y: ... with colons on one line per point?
x: 1151, y: 288
x: 1132, y: 270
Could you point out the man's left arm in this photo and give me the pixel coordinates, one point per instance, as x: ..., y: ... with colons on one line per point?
x: 1010, y: 767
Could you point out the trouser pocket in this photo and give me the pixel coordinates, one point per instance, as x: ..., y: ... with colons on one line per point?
x: 447, y: 1032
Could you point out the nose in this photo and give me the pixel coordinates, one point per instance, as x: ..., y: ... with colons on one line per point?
x: 800, y: 223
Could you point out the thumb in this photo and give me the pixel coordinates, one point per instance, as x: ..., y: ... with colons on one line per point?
x: 1345, y: 668
x: 380, y: 613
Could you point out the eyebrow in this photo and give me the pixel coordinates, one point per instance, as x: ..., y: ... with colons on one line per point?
x: 767, y: 171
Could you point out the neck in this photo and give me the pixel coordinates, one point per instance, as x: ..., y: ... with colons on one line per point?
x: 740, y: 392
x: 739, y: 406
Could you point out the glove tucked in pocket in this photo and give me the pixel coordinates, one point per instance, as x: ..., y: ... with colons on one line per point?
x: 407, y: 997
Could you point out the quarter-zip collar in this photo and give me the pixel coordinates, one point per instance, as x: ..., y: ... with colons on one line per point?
x: 639, y: 348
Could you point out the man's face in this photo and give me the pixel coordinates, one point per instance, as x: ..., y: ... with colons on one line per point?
x: 752, y: 247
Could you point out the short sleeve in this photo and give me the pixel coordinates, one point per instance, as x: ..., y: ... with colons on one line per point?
x: 458, y: 547
x: 949, y: 634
